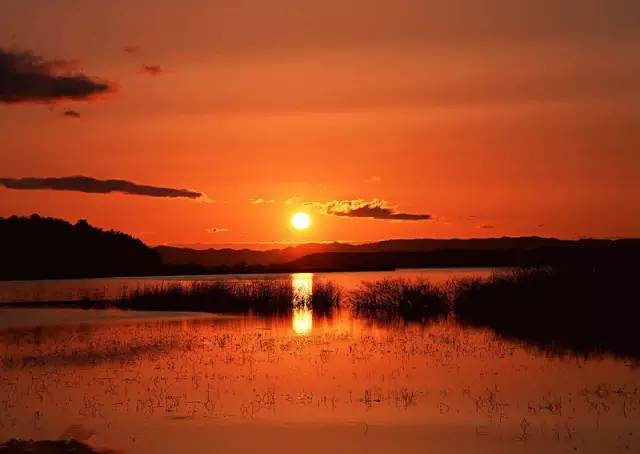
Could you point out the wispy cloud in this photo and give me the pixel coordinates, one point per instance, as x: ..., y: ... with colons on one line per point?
x: 153, y: 70
x: 371, y: 209
x: 95, y: 186
x: 25, y: 77
x: 261, y: 201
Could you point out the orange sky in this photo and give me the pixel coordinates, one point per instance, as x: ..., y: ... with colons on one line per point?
x: 494, y: 117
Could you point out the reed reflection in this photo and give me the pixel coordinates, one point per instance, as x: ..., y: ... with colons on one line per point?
x: 302, y: 317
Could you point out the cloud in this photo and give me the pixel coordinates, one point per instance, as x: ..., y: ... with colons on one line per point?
x: 293, y: 200
x: 261, y: 201
x: 373, y: 179
x: 25, y: 77
x: 95, y: 186
x: 71, y: 113
x: 154, y: 70
x: 373, y: 209
x: 217, y: 230
x: 133, y: 50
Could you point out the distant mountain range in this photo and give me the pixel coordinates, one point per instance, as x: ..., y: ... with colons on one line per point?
x: 45, y: 248
x: 436, y: 252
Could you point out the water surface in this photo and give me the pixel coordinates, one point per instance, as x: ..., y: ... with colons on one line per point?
x: 189, y: 383
x: 111, y: 288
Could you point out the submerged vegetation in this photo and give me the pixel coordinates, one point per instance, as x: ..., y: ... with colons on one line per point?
x: 265, y: 297
x: 399, y: 298
x: 262, y: 297
x: 577, y: 309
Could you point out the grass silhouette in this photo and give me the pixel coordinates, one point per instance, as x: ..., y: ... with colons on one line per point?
x: 580, y: 310
x: 399, y: 298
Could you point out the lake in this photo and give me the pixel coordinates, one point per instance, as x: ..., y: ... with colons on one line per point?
x: 111, y: 288
x: 140, y: 382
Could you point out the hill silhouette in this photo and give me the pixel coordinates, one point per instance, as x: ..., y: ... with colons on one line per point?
x: 38, y: 247
x: 45, y: 248
x: 409, y: 253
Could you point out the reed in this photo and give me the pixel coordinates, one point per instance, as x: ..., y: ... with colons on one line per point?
x: 399, y: 298
x: 581, y: 310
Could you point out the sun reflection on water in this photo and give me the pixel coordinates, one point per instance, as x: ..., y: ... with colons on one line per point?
x: 302, y: 319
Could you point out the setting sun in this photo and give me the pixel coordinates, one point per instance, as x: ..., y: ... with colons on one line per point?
x: 301, y: 221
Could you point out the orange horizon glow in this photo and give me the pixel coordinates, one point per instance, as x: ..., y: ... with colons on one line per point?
x: 408, y: 120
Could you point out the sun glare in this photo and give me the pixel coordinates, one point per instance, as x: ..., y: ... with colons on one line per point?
x: 301, y: 221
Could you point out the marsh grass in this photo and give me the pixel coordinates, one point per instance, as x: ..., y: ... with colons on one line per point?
x: 579, y: 310
x: 267, y: 297
x: 325, y: 298
x: 390, y: 299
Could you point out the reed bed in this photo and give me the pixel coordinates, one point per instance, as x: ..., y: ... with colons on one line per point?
x: 268, y: 297
x: 261, y: 297
x: 581, y: 310
x: 389, y: 299
x: 325, y: 298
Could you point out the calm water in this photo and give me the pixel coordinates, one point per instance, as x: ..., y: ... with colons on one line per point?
x: 182, y: 383
x: 73, y: 289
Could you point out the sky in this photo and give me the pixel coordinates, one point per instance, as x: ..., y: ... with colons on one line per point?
x: 212, y: 122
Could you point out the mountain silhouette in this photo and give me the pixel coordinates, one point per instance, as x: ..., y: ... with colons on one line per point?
x: 46, y: 248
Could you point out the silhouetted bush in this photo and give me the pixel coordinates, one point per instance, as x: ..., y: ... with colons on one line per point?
x: 399, y: 298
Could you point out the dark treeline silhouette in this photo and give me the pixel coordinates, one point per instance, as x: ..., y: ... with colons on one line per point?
x: 37, y: 247
x: 44, y: 248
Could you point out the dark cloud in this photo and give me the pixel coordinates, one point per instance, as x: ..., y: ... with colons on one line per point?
x: 133, y: 50
x: 373, y: 209
x: 154, y: 70
x: 25, y: 77
x: 95, y: 186
x: 217, y: 230
x: 487, y: 226
x: 71, y: 113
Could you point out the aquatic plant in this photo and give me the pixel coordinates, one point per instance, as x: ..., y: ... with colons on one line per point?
x: 262, y: 297
x: 325, y: 298
x: 582, y: 310
x: 399, y: 298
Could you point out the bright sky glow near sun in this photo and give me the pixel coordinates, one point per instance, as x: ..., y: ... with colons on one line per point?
x: 420, y: 118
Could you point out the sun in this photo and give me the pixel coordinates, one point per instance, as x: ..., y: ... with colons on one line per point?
x: 300, y: 221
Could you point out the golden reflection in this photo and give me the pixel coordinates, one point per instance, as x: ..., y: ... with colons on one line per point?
x: 302, y: 320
